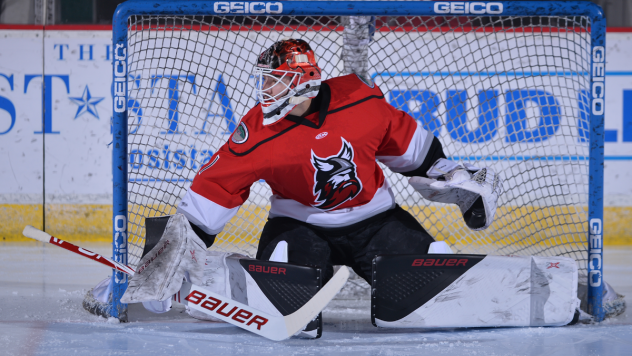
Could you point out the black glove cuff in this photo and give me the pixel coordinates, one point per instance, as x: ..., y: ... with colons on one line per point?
x: 434, y: 153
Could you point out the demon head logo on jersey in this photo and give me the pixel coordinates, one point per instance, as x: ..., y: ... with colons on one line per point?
x: 335, y: 179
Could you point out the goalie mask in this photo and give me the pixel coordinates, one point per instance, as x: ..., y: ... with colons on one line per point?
x: 286, y: 75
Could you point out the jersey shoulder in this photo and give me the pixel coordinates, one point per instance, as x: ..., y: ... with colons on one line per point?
x: 350, y: 89
x: 254, y: 115
x: 250, y: 133
x: 246, y: 131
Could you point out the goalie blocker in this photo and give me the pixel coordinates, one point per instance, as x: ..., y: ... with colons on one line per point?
x: 445, y: 290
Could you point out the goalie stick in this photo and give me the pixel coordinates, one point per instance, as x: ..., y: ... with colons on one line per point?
x: 275, y: 328
x: 39, y: 235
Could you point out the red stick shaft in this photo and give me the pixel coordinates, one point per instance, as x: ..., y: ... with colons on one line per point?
x: 42, y: 236
x: 91, y: 255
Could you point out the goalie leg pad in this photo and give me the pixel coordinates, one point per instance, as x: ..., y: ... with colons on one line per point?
x: 275, y: 288
x: 283, y: 288
x: 445, y: 290
x: 224, y: 276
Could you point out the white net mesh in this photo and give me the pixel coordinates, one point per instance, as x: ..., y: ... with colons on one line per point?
x: 509, y: 93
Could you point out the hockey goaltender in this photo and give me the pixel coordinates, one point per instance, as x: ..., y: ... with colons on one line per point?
x: 316, y: 144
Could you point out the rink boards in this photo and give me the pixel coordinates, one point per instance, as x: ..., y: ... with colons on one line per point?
x: 74, y: 173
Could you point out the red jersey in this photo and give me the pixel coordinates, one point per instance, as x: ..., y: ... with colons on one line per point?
x: 321, y: 168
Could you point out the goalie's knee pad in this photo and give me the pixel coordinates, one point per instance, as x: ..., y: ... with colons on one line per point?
x: 445, y: 290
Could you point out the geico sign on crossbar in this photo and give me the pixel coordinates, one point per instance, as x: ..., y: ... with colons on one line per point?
x: 475, y: 8
x: 239, y: 7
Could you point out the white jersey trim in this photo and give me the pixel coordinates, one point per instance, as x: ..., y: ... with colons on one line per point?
x: 383, y: 200
x: 204, y: 213
x: 415, y: 153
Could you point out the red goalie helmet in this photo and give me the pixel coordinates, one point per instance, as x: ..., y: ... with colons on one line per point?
x: 286, y: 75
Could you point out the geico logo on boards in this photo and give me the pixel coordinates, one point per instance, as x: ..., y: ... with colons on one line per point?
x: 475, y: 8
x: 242, y: 7
x: 595, y: 243
x: 439, y: 262
x: 266, y: 269
x: 120, y: 78
x: 239, y: 315
x: 598, y: 77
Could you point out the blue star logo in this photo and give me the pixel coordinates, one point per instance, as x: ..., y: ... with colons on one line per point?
x: 87, y: 104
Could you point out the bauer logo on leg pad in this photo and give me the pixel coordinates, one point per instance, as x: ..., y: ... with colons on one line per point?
x: 440, y: 262
x: 287, y: 286
x: 224, y: 309
x: 404, y: 283
x: 266, y: 269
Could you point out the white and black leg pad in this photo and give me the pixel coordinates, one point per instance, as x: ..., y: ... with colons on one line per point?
x: 446, y: 291
x: 288, y: 289
x: 314, y: 329
x: 275, y: 288
x: 161, y: 271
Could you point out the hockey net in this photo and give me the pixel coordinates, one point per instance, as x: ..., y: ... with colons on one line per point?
x: 508, y: 93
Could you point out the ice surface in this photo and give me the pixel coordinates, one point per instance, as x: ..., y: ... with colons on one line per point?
x: 42, y: 287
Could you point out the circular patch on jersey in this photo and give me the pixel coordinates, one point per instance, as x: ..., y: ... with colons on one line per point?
x: 365, y: 80
x: 241, y: 133
x: 321, y: 135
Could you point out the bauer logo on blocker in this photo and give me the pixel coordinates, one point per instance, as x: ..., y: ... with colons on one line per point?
x: 241, y: 7
x: 476, y: 8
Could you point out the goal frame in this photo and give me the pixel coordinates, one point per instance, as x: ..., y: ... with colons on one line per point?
x: 596, y: 106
